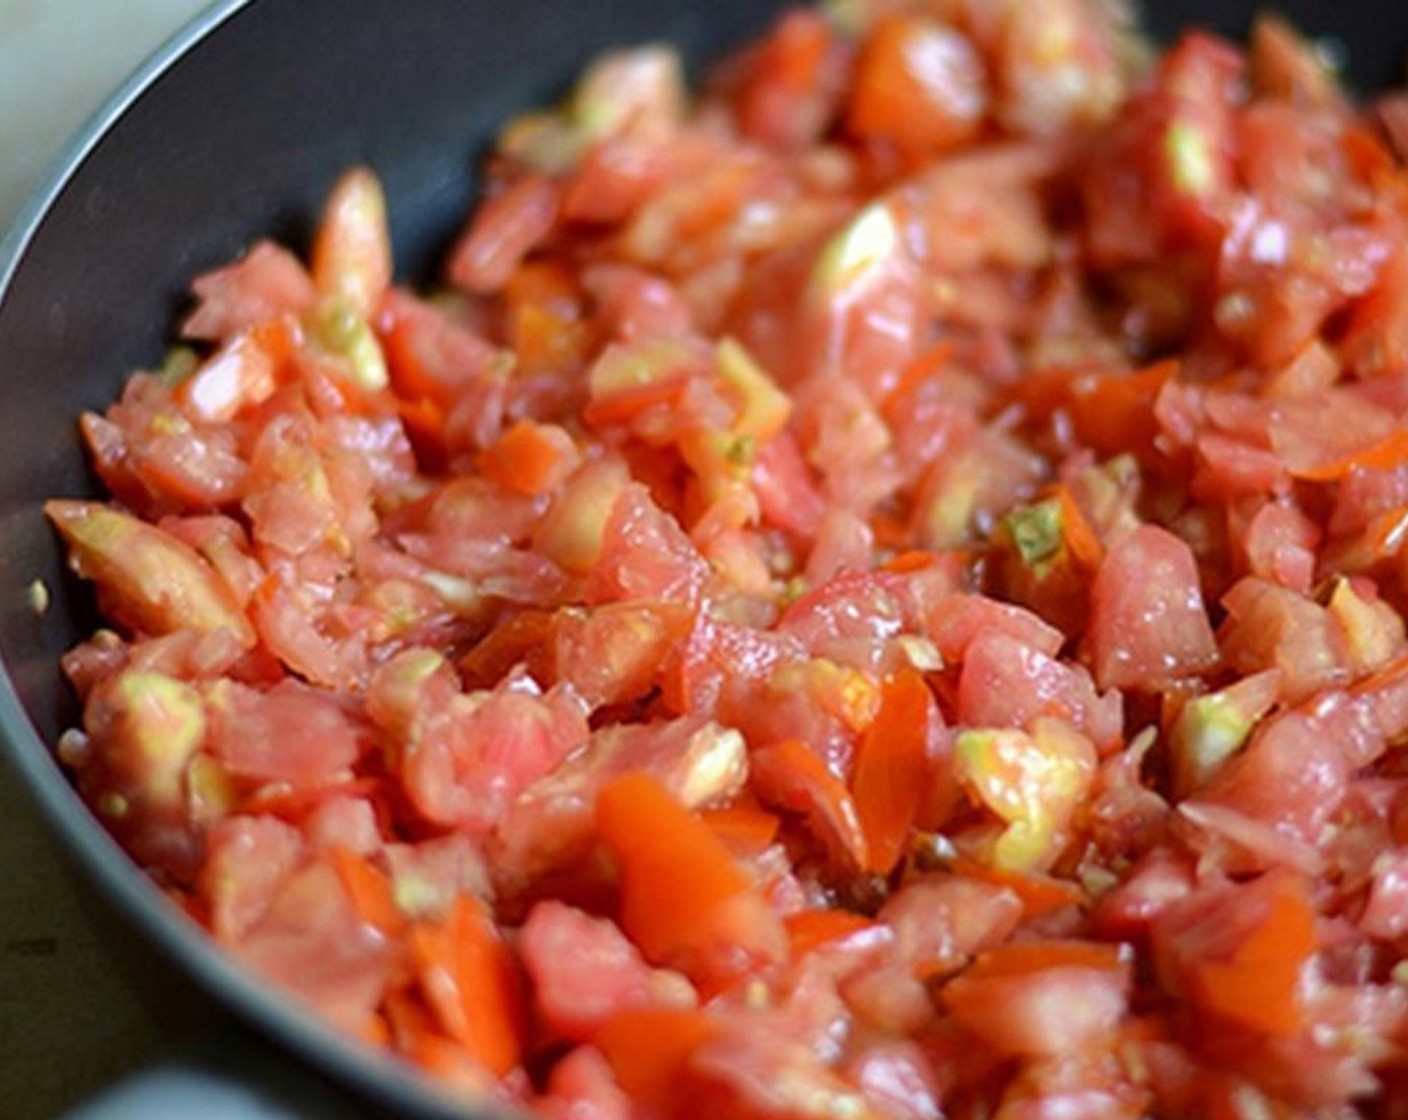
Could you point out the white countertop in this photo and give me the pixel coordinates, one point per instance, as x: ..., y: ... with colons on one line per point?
x: 67, y: 1023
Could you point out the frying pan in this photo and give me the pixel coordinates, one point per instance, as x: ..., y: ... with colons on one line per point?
x: 236, y: 130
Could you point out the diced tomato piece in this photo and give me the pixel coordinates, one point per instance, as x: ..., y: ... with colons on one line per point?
x: 645, y: 555
x: 1006, y: 683
x: 1057, y: 71
x: 551, y: 822
x: 746, y: 831
x: 504, y: 231
x: 919, y: 85
x: 757, y: 1072
x: 648, y: 1047
x: 811, y: 929
x: 851, y: 619
x: 266, y: 283
x: 352, y: 250
x: 432, y: 356
x: 464, y: 759
x: 584, y: 972
x: 367, y: 886
x: 241, y: 374
x: 786, y: 491
x: 248, y: 859
x: 1042, y: 998
x: 311, y: 942
x: 427, y: 877
x: 530, y: 458
x: 634, y: 304
x: 791, y: 93
x: 683, y: 898
x: 890, y: 779
x: 290, y: 733
x: 147, y: 577
x: 614, y: 654
x: 1154, y: 884
x: 467, y: 975
x: 1292, y: 776
x: 958, y: 620
x: 940, y: 921
x: 1034, y: 783
x: 1240, y: 951
x: 1148, y: 624
x: 897, y: 1079
x: 1270, y: 627
x: 583, y: 1087
x: 794, y: 777
x: 1285, y: 66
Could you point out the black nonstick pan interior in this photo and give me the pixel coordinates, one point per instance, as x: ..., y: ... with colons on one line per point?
x: 236, y: 132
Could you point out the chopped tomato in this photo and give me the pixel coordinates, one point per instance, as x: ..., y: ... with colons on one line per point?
x: 920, y: 85
x: 794, y: 777
x: 155, y: 582
x: 879, y: 589
x: 290, y: 733
x: 889, y: 781
x: 503, y: 233
x: 266, y: 284
x: 683, y: 898
x: 468, y: 979
x: 1042, y: 998
x: 1240, y: 952
x: 467, y: 757
x: 791, y: 94
x: 352, y: 251
x: 584, y: 972
x: 1150, y: 626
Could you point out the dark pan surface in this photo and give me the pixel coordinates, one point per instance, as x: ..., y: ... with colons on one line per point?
x: 237, y: 131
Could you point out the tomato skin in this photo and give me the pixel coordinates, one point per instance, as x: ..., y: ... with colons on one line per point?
x: 710, y: 922
x: 919, y: 86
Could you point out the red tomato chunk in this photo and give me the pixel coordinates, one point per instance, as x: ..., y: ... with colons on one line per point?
x: 876, y: 590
